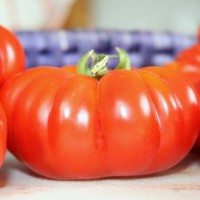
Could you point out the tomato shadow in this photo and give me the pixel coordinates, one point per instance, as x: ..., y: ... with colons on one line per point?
x: 12, y: 166
x: 3, y: 178
x: 189, y: 165
x: 185, y: 165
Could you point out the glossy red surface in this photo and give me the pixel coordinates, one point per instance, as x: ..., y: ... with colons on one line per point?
x: 12, y: 56
x: 131, y: 122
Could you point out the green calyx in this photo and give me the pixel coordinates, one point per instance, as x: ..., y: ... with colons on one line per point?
x: 99, y: 63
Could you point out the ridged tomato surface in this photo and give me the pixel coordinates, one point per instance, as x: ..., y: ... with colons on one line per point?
x: 130, y: 122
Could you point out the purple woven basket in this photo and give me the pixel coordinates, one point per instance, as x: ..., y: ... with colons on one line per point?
x: 65, y: 47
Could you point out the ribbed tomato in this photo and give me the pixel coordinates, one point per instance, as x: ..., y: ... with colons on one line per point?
x: 124, y: 122
x: 188, y: 64
x: 12, y: 61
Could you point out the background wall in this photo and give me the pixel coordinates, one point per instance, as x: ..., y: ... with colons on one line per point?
x: 182, y: 16
x: 160, y: 15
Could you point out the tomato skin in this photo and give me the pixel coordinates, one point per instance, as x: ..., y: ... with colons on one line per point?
x: 3, y: 135
x: 12, y: 55
x: 191, y: 55
x: 12, y: 60
x: 191, y: 71
x: 188, y: 64
x: 129, y: 123
x: 70, y: 68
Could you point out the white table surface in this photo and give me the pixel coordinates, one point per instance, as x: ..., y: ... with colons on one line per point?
x: 181, y: 182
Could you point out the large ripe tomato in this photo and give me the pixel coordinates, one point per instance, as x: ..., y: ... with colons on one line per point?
x: 12, y: 56
x: 3, y: 135
x: 67, y: 125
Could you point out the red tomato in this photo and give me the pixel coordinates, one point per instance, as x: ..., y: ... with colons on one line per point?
x: 12, y: 56
x: 188, y: 64
x: 191, y: 55
x: 12, y: 60
x: 71, y: 69
x: 130, y: 122
x: 3, y: 134
x: 190, y: 70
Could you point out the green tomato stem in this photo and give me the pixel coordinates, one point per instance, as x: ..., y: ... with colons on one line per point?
x: 99, y: 63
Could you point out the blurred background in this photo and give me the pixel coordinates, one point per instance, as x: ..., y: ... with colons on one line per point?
x: 181, y: 16
x: 59, y: 32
